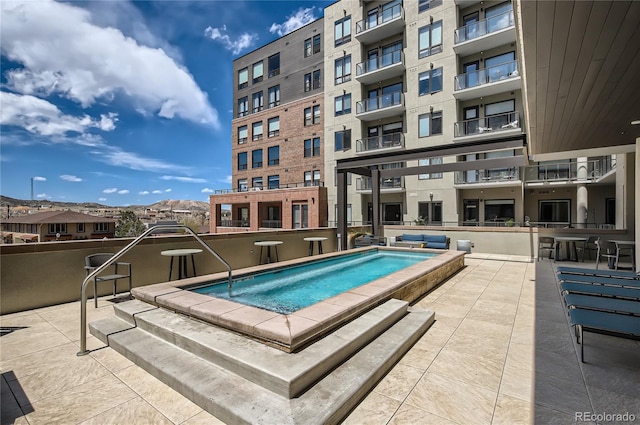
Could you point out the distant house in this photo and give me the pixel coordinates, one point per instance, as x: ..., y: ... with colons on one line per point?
x: 58, y: 225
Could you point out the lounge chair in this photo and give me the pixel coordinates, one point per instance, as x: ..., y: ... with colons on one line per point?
x: 602, y: 321
x: 603, y: 290
x: 594, y: 302
x: 603, y: 273
x: 598, y: 280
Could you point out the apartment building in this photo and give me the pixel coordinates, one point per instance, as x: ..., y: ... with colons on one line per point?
x: 277, y: 137
x: 424, y: 105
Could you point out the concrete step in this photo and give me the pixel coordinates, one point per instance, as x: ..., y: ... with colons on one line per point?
x: 287, y: 374
x: 235, y: 399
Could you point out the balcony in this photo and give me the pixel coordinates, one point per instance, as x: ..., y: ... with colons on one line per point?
x: 484, y: 35
x: 570, y: 172
x: 386, y: 142
x: 489, y: 177
x: 381, y: 68
x: 392, y: 184
x: 387, y: 105
x: 501, y: 125
x: 382, y: 25
x: 486, y: 82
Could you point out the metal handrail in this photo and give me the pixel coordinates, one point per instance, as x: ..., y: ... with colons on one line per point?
x: 83, y: 293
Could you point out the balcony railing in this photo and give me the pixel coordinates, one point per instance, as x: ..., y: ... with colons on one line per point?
x: 481, y: 28
x: 390, y: 183
x: 386, y: 141
x: 489, y: 75
x: 488, y: 125
x: 261, y: 188
x: 570, y: 171
x: 271, y: 224
x: 379, y: 18
x: 491, y: 175
x: 380, y: 62
x: 234, y: 223
x: 380, y: 102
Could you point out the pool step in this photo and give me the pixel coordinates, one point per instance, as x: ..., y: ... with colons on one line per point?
x: 239, y: 399
x: 283, y: 373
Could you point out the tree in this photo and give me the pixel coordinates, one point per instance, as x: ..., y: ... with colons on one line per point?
x: 129, y: 225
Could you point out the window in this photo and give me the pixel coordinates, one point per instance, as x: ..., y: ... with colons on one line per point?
x: 307, y: 48
x: 242, y: 160
x: 274, y: 96
x: 256, y: 183
x: 316, y: 177
x: 430, y: 161
x: 59, y: 227
x: 430, y: 124
x: 243, y: 106
x: 343, y: 104
x: 499, y: 16
x: 98, y: 227
x: 554, y: 211
x: 343, y: 69
x: 342, y: 140
x: 80, y: 228
x: 312, y: 147
x: 312, y: 178
x: 500, y: 114
x: 258, y: 102
x: 242, y: 185
x: 258, y: 72
x: 256, y: 158
x: 307, y: 116
x: 427, y: 4
x: 273, y: 155
x: 430, y: 212
x: 498, y: 211
x: 316, y: 79
x: 316, y: 44
x: 307, y: 82
x: 274, y: 126
x: 300, y: 215
x: 342, y: 31
x: 307, y: 178
x: 273, y: 182
x: 316, y: 114
x: 243, y: 78
x: 274, y: 65
x: 430, y: 81
x: 242, y: 134
x: 256, y: 130
x: 430, y: 39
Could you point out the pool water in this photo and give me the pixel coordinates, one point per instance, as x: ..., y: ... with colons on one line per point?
x: 290, y: 289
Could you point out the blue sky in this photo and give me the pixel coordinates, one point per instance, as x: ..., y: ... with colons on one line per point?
x: 126, y: 103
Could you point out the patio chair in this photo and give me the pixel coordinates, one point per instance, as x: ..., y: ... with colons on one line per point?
x: 599, y: 280
x: 546, y: 243
x: 611, y: 254
x: 589, y: 247
x: 120, y: 271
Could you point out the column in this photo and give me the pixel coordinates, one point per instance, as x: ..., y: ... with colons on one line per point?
x: 582, y: 194
x: 342, y: 209
x: 621, y: 191
x: 375, y: 201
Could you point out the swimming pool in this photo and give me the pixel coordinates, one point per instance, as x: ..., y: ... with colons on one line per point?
x: 292, y: 331
x: 293, y: 288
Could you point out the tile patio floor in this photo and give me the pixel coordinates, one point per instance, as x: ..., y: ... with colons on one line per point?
x: 478, y: 364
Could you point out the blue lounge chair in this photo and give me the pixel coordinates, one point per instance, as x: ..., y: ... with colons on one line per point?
x: 598, y: 280
x: 603, y: 290
x: 594, y: 302
x: 592, y: 272
x: 602, y: 321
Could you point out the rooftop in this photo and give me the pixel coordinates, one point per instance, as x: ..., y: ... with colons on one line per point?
x: 500, y: 351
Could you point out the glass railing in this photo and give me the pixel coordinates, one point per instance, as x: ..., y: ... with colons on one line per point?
x: 389, y: 183
x: 486, y: 176
x: 260, y: 188
x: 386, y: 141
x: 481, y: 28
x: 380, y: 102
x: 488, y: 125
x: 486, y: 76
x: 588, y: 170
x: 379, y: 18
x: 373, y: 64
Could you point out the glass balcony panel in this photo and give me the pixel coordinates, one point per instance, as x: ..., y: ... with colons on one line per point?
x: 487, y: 75
x: 494, y: 123
x: 373, y: 20
x: 386, y: 141
x: 478, y: 29
x: 379, y: 62
x: 379, y: 102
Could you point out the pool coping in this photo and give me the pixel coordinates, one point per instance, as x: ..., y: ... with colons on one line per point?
x: 289, y: 332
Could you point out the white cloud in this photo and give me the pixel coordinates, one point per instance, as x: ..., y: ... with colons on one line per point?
x: 110, y: 190
x: 228, y: 179
x: 42, y: 195
x: 155, y: 192
x: 144, y: 192
x: 207, y: 190
x: 116, y: 156
x: 102, y: 199
x: 39, y: 179
x: 244, y: 41
x: 167, y: 190
x: 299, y: 19
x: 39, y: 116
x: 184, y: 179
x: 95, y: 63
x: 70, y: 178
x: 123, y: 192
